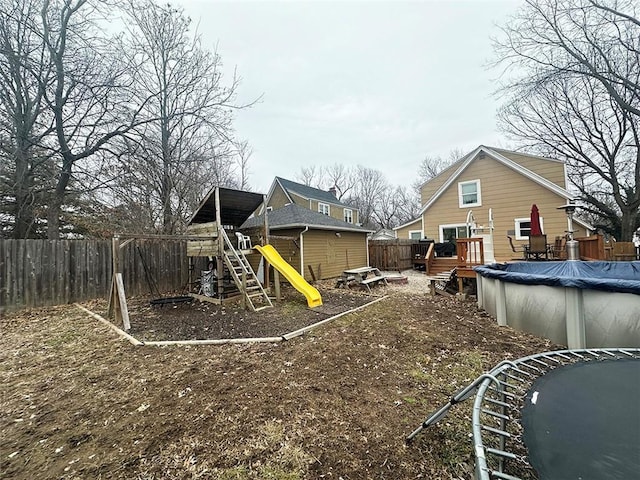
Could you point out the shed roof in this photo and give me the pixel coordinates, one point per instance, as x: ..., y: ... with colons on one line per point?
x: 308, y: 192
x: 294, y: 216
x: 235, y: 206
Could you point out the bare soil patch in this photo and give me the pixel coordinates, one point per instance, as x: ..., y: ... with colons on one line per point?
x: 202, y: 320
x: 78, y: 402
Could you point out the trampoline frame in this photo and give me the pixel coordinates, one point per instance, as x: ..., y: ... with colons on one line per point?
x: 499, y: 398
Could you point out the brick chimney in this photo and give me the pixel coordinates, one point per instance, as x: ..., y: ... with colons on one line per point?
x: 332, y: 190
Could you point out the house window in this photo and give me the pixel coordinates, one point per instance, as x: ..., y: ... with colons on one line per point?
x: 323, y: 208
x: 469, y: 194
x: 415, y: 234
x: 523, y: 227
x: 449, y: 233
x: 348, y: 215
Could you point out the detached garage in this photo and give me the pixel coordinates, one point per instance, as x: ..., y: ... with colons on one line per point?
x: 316, y: 245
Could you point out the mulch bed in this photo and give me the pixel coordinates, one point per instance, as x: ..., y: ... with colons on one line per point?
x: 207, y: 321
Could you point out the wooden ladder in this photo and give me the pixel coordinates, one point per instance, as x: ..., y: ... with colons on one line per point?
x: 244, y: 277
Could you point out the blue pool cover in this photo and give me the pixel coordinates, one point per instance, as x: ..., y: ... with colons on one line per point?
x: 608, y: 276
x: 582, y: 421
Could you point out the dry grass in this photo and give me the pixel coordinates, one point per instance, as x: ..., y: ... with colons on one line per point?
x: 78, y: 402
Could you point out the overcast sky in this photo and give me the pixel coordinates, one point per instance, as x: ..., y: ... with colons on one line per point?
x: 379, y: 84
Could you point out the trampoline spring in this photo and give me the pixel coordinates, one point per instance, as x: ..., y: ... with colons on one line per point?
x: 553, y: 358
x: 497, y: 431
x: 577, y: 354
x: 503, y: 393
x: 514, y: 387
x: 535, y: 369
x: 501, y: 453
x: 518, y: 379
x: 497, y: 402
x: 563, y: 355
x: 523, y: 372
x: 503, y: 476
x: 627, y: 353
x: 540, y: 362
x: 495, y: 414
x: 611, y: 354
x: 595, y: 354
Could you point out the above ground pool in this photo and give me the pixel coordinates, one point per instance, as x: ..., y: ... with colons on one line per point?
x: 569, y: 414
x: 573, y: 303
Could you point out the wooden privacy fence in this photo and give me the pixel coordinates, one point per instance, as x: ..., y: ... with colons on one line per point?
x: 591, y: 248
x: 391, y: 254
x: 36, y: 273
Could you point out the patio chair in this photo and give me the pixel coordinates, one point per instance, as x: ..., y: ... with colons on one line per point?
x: 537, y: 247
x: 244, y: 241
x: 520, y: 248
x: 559, y: 252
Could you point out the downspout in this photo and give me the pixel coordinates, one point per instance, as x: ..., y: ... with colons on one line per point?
x: 306, y: 229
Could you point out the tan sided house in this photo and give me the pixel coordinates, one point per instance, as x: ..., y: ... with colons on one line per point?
x: 316, y: 245
x: 283, y: 192
x: 489, y: 193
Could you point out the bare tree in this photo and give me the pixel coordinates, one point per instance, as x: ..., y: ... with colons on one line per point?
x: 243, y: 155
x: 24, y: 120
x: 577, y: 121
x: 369, y: 187
x: 90, y: 94
x: 191, y: 131
x: 340, y: 177
x: 387, y: 207
x: 311, y: 176
x: 571, y: 88
x: 408, y: 206
x: 431, y: 166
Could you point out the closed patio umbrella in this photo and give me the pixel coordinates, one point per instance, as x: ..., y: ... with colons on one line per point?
x: 535, y: 221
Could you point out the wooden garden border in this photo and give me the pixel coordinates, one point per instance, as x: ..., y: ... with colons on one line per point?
x: 225, y: 341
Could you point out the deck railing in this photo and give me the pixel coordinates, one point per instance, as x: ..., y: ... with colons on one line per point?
x: 470, y: 252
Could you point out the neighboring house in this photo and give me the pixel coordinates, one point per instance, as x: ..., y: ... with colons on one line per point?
x: 497, y: 183
x: 284, y: 192
x: 384, y: 234
x: 411, y: 230
x: 311, y: 241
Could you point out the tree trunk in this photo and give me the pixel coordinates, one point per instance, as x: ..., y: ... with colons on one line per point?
x: 24, y: 210
x: 57, y: 200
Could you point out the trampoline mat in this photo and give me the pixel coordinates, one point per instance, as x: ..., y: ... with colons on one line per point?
x: 582, y: 421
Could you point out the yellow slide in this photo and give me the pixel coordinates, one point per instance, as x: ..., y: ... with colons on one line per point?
x: 293, y: 277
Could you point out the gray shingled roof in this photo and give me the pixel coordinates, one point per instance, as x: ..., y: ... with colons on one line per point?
x: 309, y: 192
x: 292, y: 216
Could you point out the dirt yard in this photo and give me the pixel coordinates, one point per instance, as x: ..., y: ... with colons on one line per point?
x: 78, y: 402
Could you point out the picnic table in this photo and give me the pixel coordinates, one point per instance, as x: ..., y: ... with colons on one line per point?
x: 362, y: 276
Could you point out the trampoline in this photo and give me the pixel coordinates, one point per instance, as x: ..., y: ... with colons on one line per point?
x: 569, y: 414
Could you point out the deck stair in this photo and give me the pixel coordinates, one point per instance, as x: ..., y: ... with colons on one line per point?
x: 442, y: 264
x: 245, y: 278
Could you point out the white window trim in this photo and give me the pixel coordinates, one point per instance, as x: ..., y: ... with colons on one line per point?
x: 517, y: 222
x: 321, y: 210
x: 415, y: 231
x: 450, y: 225
x: 479, y: 193
x: 350, y: 220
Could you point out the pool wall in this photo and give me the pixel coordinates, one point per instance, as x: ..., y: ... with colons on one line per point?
x: 590, y: 315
